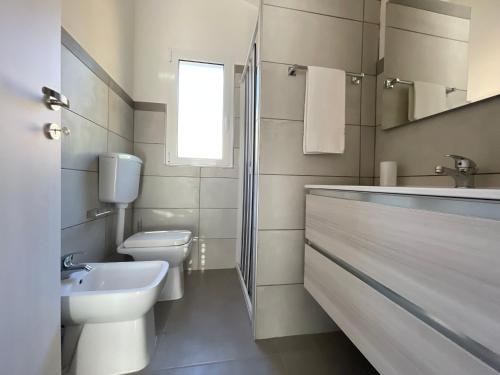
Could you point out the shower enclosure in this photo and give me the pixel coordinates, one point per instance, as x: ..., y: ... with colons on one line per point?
x: 249, y: 93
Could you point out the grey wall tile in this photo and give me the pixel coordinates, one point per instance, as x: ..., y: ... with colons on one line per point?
x: 283, y: 96
x: 117, y: 143
x: 352, y: 9
x: 370, y: 48
x: 87, y: 140
x: 366, y: 181
x: 87, y: 237
x: 281, y: 152
x: 295, y: 37
x: 88, y: 95
x: 166, y: 219
x: 426, y: 22
x: 218, y: 193
x: 149, y: 127
x: 79, y: 194
x: 417, y: 57
x: 121, y: 117
x: 282, y: 199
x: 281, y: 257
x: 285, y: 310
x: 111, y: 225
x: 488, y: 181
x: 484, y: 181
x: 153, y: 156
x: 472, y: 131
x: 367, y: 151
x: 217, y: 254
x: 168, y: 192
x: 372, y: 11
x: 192, y: 262
x: 368, y: 101
x: 218, y: 223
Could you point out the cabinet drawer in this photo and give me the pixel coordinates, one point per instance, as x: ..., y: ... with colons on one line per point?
x: 394, y: 341
x: 448, y: 265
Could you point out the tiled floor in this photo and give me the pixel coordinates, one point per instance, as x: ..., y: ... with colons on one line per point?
x: 208, y: 333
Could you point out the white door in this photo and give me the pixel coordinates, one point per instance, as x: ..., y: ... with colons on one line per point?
x: 30, y: 189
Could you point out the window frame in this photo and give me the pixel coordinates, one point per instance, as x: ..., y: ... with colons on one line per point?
x: 171, y: 141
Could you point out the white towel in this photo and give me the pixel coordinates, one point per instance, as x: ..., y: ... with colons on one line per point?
x: 426, y: 99
x: 324, y: 116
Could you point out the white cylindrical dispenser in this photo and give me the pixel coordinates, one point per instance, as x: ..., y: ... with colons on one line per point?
x: 388, y: 173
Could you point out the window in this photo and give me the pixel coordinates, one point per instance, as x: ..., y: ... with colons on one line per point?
x: 199, y: 128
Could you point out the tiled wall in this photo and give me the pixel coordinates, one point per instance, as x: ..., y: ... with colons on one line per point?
x: 339, y: 34
x: 99, y: 121
x: 202, y: 200
x: 472, y: 131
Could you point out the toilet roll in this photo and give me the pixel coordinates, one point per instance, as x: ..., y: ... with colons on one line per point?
x: 388, y: 173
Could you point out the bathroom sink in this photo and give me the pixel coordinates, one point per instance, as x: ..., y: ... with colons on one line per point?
x: 111, y: 292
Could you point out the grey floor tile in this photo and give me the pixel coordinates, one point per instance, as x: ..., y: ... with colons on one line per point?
x: 258, y: 366
x: 208, y: 332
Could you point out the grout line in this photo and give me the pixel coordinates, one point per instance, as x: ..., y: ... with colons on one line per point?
x: 78, y: 170
x: 84, y: 222
x: 316, y: 13
x: 430, y: 35
x: 305, y: 175
x: 283, y: 284
x: 360, y: 153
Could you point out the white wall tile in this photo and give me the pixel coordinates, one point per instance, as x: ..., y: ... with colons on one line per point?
x: 79, y: 194
x: 88, y: 237
x: 286, y: 310
x: 281, y: 257
x: 218, y: 193
x: 282, y: 199
x: 283, y: 96
x: 168, y: 192
x: 146, y: 219
x: 153, y: 156
x: 217, y: 254
x: 281, y: 152
x: 117, y: 143
x: 352, y: 9
x: 295, y: 37
x: 218, y: 223
x: 87, y: 94
x: 87, y: 140
x: 223, y: 172
x: 121, y: 116
x: 149, y: 127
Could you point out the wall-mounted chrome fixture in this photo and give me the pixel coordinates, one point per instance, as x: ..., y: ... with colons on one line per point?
x: 54, y: 131
x: 53, y: 99
x: 391, y: 82
x: 355, y: 77
x: 97, y: 213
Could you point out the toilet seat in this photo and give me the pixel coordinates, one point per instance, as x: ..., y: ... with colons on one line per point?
x: 172, y: 246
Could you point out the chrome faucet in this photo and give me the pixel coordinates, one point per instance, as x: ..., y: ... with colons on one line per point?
x: 464, y: 171
x: 67, y: 264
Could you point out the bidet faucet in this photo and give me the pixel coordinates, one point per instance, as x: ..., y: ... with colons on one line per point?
x: 464, y: 171
x: 68, y: 265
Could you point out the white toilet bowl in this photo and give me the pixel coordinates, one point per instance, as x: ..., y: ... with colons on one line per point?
x: 171, y: 246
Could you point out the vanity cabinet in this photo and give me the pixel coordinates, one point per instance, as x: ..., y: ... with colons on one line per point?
x: 416, y: 289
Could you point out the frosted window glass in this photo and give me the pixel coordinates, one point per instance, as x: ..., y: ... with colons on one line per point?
x: 201, y: 110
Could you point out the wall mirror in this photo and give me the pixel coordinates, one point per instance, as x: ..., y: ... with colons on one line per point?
x: 436, y: 56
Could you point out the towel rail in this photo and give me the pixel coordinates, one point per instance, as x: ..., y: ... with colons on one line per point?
x: 355, y: 77
x: 391, y: 82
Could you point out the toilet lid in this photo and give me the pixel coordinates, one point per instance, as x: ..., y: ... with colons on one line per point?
x: 158, y: 238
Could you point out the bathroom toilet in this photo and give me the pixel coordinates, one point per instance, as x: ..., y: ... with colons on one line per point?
x: 172, y: 246
x: 119, y: 176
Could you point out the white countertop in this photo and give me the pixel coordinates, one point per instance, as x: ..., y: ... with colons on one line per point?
x: 493, y: 194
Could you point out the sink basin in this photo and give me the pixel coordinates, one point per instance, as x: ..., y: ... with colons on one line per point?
x: 111, y: 292
x: 108, y: 317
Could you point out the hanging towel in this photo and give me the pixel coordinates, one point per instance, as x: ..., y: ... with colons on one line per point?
x: 426, y: 99
x: 324, y: 115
